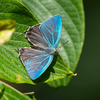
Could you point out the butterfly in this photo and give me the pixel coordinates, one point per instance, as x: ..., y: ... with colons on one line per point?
x: 45, y: 38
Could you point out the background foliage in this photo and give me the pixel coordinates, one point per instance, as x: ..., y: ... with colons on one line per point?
x: 9, y: 93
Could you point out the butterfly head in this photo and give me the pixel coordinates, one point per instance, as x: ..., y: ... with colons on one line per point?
x: 56, y: 52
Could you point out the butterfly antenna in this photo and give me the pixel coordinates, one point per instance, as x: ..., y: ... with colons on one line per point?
x: 63, y: 44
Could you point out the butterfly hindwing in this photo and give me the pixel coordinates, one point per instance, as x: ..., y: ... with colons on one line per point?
x: 27, y: 53
x: 35, y: 37
x: 35, y: 61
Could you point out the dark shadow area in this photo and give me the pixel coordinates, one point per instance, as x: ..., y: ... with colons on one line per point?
x: 2, y: 89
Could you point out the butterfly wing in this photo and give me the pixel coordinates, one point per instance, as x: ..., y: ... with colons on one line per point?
x: 42, y: 35
x: 51, y: 30
x: 46, y: 34
x: 35, y: 37
x: 35, y: 61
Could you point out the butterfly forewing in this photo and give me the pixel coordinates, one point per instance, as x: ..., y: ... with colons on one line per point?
x: 51, y: 30
x: 37, y: 66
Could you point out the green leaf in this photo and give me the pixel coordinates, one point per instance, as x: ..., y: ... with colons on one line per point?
x: 72, y: 15
x: 9, y: 93
x: 11, y: 68
x: 6, y: 30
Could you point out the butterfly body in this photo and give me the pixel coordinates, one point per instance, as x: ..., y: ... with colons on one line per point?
x: 49, y: 50
x: 45, y: 38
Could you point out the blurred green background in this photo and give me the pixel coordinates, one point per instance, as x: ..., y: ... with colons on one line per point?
x: 86, y: 85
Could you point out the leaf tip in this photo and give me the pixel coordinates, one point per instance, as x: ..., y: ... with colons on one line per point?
x: 71, y: 73
x: 75, y: 74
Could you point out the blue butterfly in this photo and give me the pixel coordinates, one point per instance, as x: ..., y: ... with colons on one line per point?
x: 45, y: 38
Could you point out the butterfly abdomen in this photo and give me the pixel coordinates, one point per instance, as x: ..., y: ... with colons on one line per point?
x: 50, y: 50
